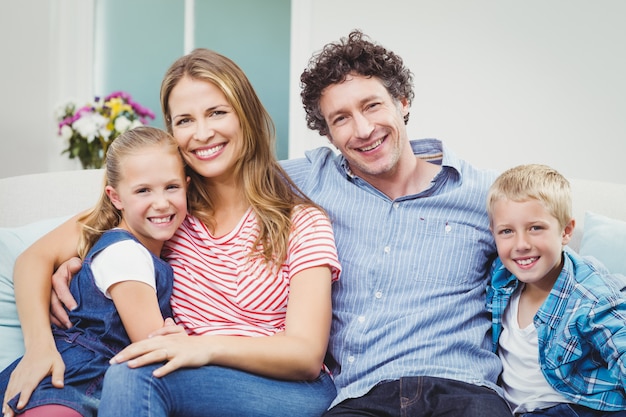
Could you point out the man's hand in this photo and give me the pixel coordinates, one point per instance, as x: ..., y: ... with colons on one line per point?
x: 61, y: 295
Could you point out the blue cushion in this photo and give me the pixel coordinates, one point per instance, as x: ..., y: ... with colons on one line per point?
x: 12, y: 242
x: 604, y: 238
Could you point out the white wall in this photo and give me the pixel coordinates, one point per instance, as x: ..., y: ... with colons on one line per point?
x: 46, y: 58
x: 501, y: 82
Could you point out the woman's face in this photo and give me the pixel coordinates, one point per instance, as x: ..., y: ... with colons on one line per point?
x: 206, y: 128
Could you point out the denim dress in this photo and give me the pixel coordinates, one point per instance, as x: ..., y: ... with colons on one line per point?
x: 96, y: 336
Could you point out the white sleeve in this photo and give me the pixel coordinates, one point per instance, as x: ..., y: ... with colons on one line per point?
x: 126, y: 260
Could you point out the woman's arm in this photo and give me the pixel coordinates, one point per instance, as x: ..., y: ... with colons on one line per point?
x: 31, y: 278
x: 297, y: 354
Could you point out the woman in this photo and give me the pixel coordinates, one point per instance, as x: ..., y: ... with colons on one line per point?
x: 253, y: 266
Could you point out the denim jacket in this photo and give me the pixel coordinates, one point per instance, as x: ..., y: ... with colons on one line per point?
x: 581, y: 330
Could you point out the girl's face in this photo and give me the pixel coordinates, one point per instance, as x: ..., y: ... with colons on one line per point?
x: 206, y: 128
x: 529, y: 240
x: 151, y: 195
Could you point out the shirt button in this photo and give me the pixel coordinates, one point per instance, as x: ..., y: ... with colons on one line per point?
x: 350, y: 359
x: 361, y: 319
x: 396, y: 205
x: 387, y: 249
x: 378, y: 294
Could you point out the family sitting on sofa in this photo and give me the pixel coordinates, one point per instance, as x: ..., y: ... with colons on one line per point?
x: 256, y: 268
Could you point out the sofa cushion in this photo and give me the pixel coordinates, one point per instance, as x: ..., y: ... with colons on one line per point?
x: 605, y: 240
x: 12, y: 242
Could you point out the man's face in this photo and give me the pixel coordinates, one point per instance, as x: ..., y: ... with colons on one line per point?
x: 366, y: 124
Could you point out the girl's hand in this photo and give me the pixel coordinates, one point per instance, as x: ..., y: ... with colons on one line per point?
x: 169, y: 328
x: 175, y: 350
x: 32, y: 369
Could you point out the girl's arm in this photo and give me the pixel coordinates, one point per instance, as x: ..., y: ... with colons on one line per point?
x: 31, y: 279
x: 296, y: 354
x: 125, y: 270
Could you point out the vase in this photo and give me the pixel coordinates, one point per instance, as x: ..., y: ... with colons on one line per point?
x: 93, y: 161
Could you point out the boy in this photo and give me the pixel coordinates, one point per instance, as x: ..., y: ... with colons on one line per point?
x: 559, y: 321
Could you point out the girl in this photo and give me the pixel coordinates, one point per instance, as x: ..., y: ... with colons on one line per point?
x: 122, y: 290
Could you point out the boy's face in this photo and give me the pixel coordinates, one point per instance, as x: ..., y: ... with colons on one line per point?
x: 529, y: 240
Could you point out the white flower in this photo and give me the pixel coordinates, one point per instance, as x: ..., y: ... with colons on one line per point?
x: 62, y: 110
x: 135, y: 124
x: 122, y: 124
x: 66, y: 132
x: 90, y: 125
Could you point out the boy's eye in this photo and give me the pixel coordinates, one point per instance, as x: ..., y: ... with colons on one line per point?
x: 173, y: 187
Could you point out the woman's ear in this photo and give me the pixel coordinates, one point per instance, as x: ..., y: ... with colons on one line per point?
x: 114, y: 197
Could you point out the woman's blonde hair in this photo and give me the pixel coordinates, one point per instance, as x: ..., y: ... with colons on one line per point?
x: 534, y: 182
x: 267, y: 188
x: 104, y: 216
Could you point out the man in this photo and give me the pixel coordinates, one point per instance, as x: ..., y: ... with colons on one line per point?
x: 410, y: 330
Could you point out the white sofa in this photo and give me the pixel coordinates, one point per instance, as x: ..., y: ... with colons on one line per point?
x: 30, y: 205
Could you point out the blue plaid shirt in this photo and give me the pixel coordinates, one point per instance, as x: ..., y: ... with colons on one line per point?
x: 581, y: 330
x: 411, y: 298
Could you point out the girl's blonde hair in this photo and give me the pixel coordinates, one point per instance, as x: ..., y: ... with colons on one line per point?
x: 536, y: 182
x: 267, y: 188
x: 104, y: 216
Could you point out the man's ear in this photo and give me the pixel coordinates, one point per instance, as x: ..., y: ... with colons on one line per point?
x: 114, y: 197
x: 568, y: 231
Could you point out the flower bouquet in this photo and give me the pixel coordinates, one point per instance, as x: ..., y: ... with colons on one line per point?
x: 90, y: 129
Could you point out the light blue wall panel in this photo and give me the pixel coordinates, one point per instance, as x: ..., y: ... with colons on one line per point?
x: 136, y: 41
x: 256, y: 35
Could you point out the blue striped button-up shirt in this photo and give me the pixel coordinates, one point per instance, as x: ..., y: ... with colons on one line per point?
x: 411, y: 298
x: 581, y: 330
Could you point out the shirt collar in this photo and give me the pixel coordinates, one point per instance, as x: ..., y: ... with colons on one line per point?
x: 432, y: 150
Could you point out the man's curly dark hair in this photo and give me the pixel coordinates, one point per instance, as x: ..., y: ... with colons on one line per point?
x: 358, y: 55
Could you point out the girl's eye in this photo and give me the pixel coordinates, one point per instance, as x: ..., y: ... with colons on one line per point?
x: 142, y: 190
x: 173, y: 187
x: 505, y: 232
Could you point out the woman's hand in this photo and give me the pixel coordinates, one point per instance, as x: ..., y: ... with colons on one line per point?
x: 33, y: 368
x: 61, y: 295
x: 177, y: 350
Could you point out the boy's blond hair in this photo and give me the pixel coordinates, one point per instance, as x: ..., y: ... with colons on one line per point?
x: 534, y: 182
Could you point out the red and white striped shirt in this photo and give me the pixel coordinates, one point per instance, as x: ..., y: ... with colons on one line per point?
x: 220, y: 290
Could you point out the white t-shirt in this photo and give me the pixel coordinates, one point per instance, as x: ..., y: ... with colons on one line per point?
x: 126, y: 260
x: 525, y: 387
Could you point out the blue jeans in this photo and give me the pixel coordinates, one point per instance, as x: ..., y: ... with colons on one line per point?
x: 573, y: 410
x: 422, y: 396
x: 210, y: 391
